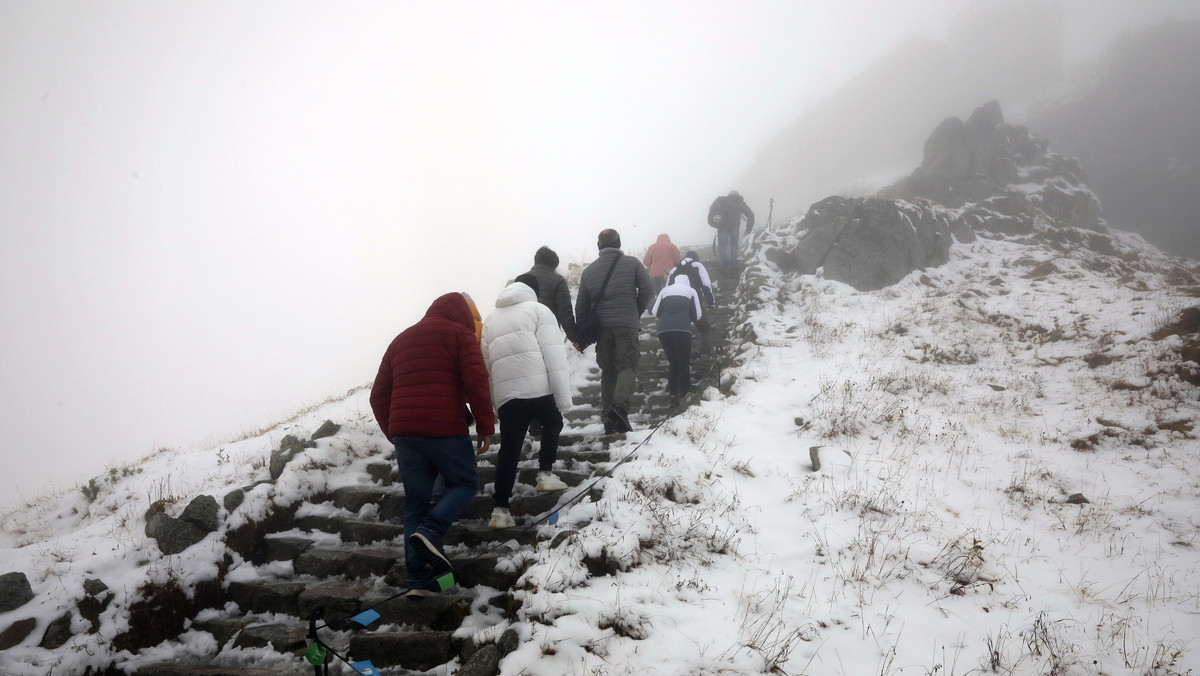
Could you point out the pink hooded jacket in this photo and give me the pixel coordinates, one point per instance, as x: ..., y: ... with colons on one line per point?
x: 661, y: 257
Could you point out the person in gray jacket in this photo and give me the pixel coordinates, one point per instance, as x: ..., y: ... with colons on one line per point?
x: 619, y: 308
x: 552, y: 289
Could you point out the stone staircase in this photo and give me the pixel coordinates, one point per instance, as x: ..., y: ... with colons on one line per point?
x: 342, y: 564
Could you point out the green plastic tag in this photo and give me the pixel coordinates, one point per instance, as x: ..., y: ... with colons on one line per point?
x: 315, y: 654
x: 445, y: 582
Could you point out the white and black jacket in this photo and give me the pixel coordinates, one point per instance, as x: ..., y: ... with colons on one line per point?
x: 677, y: 306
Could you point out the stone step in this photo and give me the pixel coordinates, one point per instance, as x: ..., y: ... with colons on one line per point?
x: 344, y: 598
x: 416, y: 651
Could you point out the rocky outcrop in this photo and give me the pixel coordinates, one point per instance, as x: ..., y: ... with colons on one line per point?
x: 870, y: 243
x: 174, y: 535
x: 977, y: 176
x: 1005, y: 177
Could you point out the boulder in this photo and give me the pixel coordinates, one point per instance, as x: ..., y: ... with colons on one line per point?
x: 172, y: 535
x: 203, y: 513
x: 327, y: 429
x: 17, y: 632
x: 58, y: 632
x: 288, y: 449
x: 14, y: 591
x: 872, y: 242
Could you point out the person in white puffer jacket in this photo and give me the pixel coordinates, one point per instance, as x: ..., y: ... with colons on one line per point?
x: 526, y: 357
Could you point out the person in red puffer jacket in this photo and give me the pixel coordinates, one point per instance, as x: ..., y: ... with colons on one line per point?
x: 428, y: 375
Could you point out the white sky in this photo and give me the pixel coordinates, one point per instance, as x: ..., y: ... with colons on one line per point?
x: 215, y: 213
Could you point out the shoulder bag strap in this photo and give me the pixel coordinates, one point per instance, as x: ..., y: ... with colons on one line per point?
x: 600, y: 296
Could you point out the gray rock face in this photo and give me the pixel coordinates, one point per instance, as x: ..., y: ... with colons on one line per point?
x: 288, y: 449
x: 58, y: 632
x: 14, y: 591
x: 17, y: 632
x: 982, y: 175
x: 1003, y: 169
x: 172, y: 535
x: 327, y: 429
x: 203, y: 513
x: 870, y: 243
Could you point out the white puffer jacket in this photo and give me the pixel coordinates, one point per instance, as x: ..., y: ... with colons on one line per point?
x: 524, y: 350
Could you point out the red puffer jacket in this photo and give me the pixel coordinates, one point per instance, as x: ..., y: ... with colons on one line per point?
x: 430, y: 372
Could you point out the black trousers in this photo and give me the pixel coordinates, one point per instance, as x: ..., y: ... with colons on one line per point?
x: 678, y: 347
x: 514, y: 418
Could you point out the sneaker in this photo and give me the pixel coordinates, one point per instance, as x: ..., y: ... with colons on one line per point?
x: 421, y: 589
x: 619, y: 420
x: 431, y: 553
x: 548, y: 482
x: 501, y: 518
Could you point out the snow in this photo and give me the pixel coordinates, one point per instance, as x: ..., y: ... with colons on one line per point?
x: 955, y: 418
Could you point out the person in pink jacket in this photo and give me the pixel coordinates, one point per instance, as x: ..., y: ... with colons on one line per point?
x: 660, y: 259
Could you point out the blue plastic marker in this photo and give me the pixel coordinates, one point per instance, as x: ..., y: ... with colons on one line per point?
x: 553, y: 518
x: 365, y: 618
x: 365, y: 668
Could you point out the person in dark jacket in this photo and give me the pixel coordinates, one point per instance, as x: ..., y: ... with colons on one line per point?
x: 428, y: 376
x: 620, y: 307
x: 725, y: 214
x: 552, y: 289
x: 677, y: 308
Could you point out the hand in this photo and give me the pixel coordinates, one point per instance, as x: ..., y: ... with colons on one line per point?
x: 577, y: 347
x: 482, y: 442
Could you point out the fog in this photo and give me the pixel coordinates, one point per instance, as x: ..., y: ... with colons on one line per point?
x: 216, y: 213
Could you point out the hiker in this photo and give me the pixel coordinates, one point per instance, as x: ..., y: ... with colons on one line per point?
x: 677, y: 308
x: 620, y: 288
x: 725, y: 214
x: 428, y: 376
x: 525, y: 354
x: 659, y: 259
x: 553, y: 292
x: 697, y: 274
x: 701, y: 283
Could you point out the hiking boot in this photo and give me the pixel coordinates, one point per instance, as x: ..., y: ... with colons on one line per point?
x: 431, y: 553
x: 547, y: 482
x: 608, y: 428
x: 501, y: 518
x: 619, y: 419
x: 673, y: 405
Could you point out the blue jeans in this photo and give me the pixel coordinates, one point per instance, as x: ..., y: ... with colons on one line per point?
x: 727, y: 246
x: 421, y: 461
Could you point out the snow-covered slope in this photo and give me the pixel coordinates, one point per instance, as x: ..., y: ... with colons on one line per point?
x: 1007, y: 484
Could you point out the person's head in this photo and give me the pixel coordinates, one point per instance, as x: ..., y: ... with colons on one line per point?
x: 608, y: 239
x: 692, y: 255
x: 528, y: 280
x: 734, y: 193
x: 546, y: 256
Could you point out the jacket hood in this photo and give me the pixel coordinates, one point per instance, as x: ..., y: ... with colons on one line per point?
x: 682, y: 280
x: 664, y: 238
x: 514, y: 293
x: 454, y: 307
